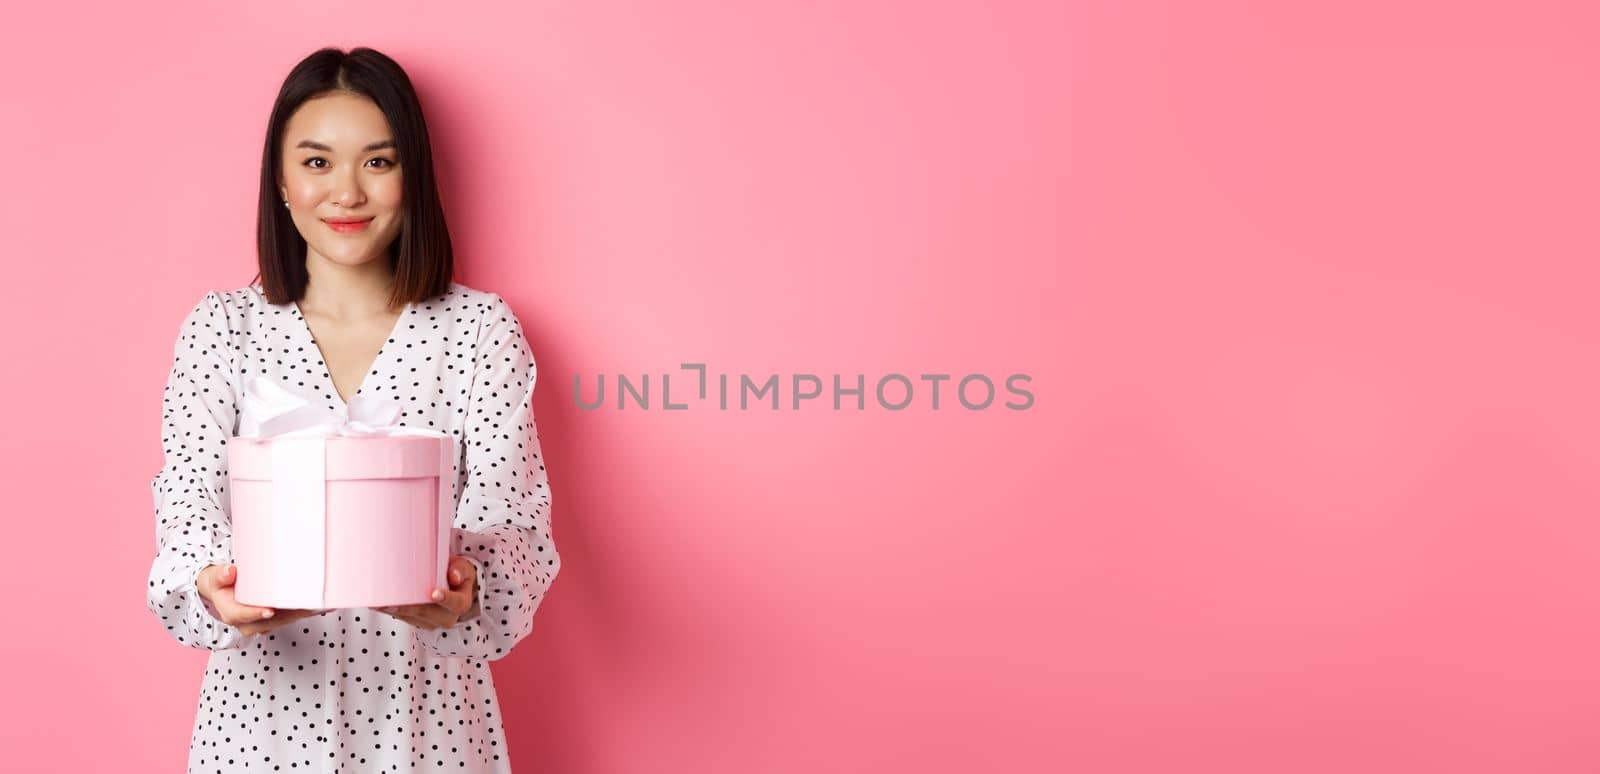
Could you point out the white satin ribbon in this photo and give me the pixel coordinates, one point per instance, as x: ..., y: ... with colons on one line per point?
x: 270, y: 409
x: 299, y: 428
x: 298, y: 529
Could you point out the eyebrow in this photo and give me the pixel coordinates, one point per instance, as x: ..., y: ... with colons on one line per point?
x: 314, y: 145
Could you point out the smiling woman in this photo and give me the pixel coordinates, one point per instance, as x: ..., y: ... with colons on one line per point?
x: 355, y: 298
x: 347, y: 173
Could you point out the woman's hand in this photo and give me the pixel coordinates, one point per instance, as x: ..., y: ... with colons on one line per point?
x: 215, y: 584
x: 449, y: 605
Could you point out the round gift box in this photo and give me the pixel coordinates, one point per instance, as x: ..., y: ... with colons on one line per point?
x: 385, y: 532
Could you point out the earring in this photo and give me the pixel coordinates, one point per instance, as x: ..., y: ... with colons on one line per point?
x: 285, y: 202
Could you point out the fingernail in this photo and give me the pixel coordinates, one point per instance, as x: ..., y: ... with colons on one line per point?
x: 455, y: 577
x: 266, y: 614
x: 437, y: 595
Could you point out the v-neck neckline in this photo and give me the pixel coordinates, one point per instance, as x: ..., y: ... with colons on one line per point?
x: 327, y: 373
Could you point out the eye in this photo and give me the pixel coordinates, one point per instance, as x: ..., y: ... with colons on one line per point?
x: 307, y: 162
x: 386, y: 162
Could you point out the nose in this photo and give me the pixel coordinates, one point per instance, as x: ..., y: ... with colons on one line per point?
x: 347, y: 191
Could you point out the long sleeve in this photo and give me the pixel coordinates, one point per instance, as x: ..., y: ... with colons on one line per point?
x: 502, y: 519
x: 192, y: 527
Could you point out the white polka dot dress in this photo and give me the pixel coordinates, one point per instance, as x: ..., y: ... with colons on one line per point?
x: 356, y: 690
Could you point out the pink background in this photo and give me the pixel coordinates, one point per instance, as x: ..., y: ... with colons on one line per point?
x: 1307, y: 297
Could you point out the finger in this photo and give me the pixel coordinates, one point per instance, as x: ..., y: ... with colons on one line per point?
x: 415, y: 620
x: 416, y: 615
x: 461, y: 571
x: 233, y: 612
x: 456, y: 602
x: 421, y: 616
x: 286, y: 617
x: 209, y: 579
x: 237, y: 613
x: 250, y: 615
x: 280, y: 618
x: 253, y: 613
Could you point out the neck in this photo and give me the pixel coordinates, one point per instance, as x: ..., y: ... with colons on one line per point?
x: 347, y: 291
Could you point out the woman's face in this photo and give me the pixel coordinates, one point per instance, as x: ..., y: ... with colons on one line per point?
x: 339, y: 163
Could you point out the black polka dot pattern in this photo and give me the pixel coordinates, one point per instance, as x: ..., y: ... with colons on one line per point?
x: 355, y: 690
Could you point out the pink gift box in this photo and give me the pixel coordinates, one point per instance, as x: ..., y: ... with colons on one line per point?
x: 321, y: 523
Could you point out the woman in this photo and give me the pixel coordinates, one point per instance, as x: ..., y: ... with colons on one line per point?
x: 354, y: 297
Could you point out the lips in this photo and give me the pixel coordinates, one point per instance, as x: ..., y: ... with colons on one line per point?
x: 347, y: 225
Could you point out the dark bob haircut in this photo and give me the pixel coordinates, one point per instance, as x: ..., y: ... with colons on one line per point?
x: 420, y: 255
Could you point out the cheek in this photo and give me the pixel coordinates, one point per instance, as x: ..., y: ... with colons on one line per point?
x: 386, y: 193
x: 302, y: 190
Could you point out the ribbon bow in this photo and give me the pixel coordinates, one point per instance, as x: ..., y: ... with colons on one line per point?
x: 270, y: 409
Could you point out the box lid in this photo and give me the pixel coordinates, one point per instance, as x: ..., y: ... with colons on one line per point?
x: 405, y: 456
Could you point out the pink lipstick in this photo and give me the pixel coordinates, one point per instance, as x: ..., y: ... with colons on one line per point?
x: 347, y: 225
